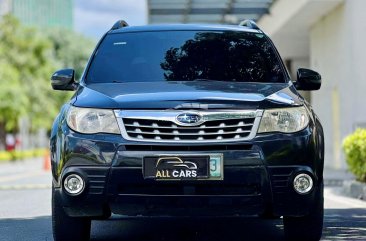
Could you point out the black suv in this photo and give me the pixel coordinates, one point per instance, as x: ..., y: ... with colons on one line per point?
x: 187, y: 120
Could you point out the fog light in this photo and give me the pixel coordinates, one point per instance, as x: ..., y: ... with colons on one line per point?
x: 303, y: 183
x: 74, y: 184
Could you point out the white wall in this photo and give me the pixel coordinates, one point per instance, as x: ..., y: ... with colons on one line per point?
x: 289, y: 21
x: 338, y: 52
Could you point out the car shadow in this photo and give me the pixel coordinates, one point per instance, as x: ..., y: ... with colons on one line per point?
x: 202, y: 229
x: 27, y: 229
x: 344, y: 224
x: 339, y: 224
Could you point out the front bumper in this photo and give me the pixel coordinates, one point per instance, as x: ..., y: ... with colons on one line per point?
x: 258, y: 177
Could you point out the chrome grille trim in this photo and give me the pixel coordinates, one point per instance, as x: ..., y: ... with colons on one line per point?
x: 162, y: 126
x: 187, y: 134
x: 196, y: 127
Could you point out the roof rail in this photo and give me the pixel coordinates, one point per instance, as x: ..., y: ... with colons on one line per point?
x: 119, y: 24
x: 249, y: 24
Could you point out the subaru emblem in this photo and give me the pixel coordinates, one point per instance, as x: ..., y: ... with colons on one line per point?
x: 189, y: 118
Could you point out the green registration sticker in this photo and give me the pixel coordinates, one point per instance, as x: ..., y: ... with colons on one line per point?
x: 216, y: 167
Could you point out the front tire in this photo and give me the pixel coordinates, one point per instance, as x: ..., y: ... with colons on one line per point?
x: 268, y: 214
x: 309, y: 227
x: 67, y: 228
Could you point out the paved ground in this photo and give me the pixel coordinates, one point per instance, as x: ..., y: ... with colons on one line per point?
x: 25, y: 215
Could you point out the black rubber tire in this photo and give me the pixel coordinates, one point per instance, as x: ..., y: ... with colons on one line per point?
x: 268, y: 214
x: 309, y: 227
x: 67, y: 228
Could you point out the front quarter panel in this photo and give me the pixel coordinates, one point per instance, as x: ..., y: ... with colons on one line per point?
x: 319, y: 135
x: 69, y: 148
x: 56, y: 142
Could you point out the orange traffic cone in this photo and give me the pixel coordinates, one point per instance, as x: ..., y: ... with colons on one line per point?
x: 47, y: 161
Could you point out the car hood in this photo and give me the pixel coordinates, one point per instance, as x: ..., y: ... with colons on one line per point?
x: 187, y: 95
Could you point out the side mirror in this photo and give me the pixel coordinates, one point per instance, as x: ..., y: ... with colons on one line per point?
x: 64, y: 79
x: 308, y: 80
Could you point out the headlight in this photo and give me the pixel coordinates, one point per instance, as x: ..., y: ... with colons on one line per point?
x: 91, y: 121
x: 285, y: 120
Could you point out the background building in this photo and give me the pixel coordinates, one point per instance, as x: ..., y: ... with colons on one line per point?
x: 328, y: 36
x: 41, y: 13
x: 205, y: 11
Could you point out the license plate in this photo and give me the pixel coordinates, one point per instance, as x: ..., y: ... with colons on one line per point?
x: 183, y: 167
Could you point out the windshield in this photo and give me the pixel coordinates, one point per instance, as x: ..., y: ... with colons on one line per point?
x: 185, y: 56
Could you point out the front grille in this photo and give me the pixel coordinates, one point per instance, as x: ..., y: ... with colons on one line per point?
x: 198, y: 189
x: 97, y: 179
x: 280, y: 179
x: 210, y: 130
x: 216, y: 127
